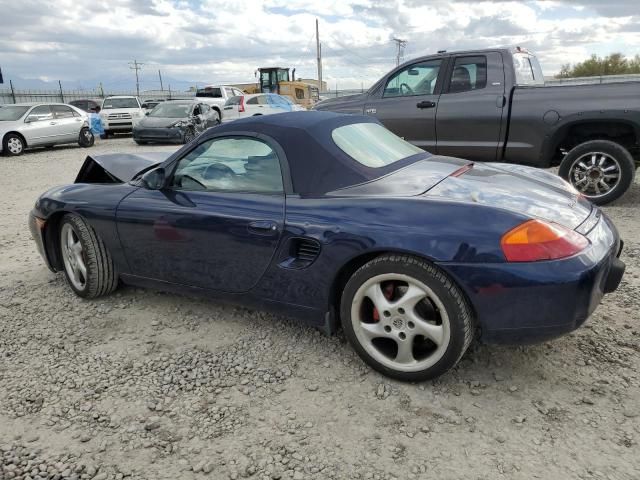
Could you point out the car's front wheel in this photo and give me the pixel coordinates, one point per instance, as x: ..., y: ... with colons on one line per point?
x: 86, y: 138
x: 406, y: 318
x: 599, y: 169
x: 13, y: 145
x: 88, y: 265
x: 189, y: 135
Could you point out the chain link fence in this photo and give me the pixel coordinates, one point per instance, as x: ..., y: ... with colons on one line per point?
x: 18, y: 95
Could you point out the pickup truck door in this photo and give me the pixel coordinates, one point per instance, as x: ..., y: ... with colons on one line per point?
x: 472, y: 107
x: 407, y: 101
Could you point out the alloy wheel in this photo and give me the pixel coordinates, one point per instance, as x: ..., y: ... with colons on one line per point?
x: 72, y: 256
x: 400, y: 322
x: 595, y: 174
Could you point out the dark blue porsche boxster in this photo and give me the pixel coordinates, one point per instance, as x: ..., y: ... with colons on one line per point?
x: 335, y: 220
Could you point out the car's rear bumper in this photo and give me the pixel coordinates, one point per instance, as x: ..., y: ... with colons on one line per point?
x: 160, y: 135
x: 531, y: 302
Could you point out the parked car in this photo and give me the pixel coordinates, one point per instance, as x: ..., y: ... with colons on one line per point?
x: 89, y: 106
x: 25, y: 126
x: 176, y: 121
x: 120, y: 113
x: 257, y: 104
x: 151, y: 104
x: 217, y: 95
x: 333, y: 218
x: 488, y: 105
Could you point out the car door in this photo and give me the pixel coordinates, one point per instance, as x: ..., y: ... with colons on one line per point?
x: 230, y: 108
x: 217, y: 223
x: 406, y: 102
x: 471, y: 108
x: 40, y: 128
x: 256, y: 106
x: 69, y: 123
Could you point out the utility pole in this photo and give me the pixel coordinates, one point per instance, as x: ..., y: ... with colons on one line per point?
x: 400, y: 44
x: 136, y: 66
x: 160, y: 75
x: 319, y: 56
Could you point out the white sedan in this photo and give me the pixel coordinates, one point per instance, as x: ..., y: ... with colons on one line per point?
x: 257, y: 104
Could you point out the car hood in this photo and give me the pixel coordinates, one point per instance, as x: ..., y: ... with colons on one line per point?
x: 117, y: 168
x: 160, y: 122
x: 347, y: 103
x: 530, y: 191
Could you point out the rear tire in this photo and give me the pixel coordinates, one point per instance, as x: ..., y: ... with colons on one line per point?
x: 406, y: 318
x: 601, y: 170
x: 13, y: 145
x: 88, y: 265
x: 189, y: 135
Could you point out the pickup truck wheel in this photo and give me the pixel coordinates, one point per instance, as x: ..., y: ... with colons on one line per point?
x: 599, y: 169
x: 406, y: 318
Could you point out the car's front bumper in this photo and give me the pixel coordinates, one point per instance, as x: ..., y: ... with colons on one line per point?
x: 523, y: 303
x: 160, y: 135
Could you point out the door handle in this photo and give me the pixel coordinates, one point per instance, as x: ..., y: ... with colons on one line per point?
x: 426, y: 104
x: 263, y: 227
x: 52, y: 123
x: 501, y: 101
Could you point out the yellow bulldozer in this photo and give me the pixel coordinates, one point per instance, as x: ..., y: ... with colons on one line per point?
x: 277, y: 80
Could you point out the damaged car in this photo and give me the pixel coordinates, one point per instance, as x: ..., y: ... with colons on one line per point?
x: 175, y: 121
x: 333, y: 219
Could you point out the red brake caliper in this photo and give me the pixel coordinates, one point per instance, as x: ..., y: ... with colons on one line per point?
x: 388, y: 292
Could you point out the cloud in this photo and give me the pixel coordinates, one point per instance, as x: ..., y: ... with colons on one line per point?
x: 215, y: 41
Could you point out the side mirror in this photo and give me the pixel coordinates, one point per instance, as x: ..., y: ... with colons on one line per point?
x: 144, y: 105
x: 147, y: 113
x: 154, y: 179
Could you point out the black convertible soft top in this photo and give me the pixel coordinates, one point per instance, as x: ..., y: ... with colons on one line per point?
x: 316, y: 164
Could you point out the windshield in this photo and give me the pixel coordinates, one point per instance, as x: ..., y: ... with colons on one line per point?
x: 209, y: 92
x: 168, y: 110
x: 372, y: 145
x: 120, y: 103
x: 10, y: 112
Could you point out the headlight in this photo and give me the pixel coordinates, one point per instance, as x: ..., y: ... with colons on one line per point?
x: 180, y: 123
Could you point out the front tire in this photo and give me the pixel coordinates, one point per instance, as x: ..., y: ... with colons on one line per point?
x: 13, y: 145
x: 599, y: 169
x: 189, y: 135
x: 88, y: 266
x: 406, y: 318
x: 86, y: 138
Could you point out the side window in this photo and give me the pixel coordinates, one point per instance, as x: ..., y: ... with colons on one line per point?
x: 233, y: 164
x: 417, y: 79
x: 229, y: 92
x: 469, y: 73
x: 237, y: 93
x: 253, y: 101
x: 60, y: 111
x: 40, y: 113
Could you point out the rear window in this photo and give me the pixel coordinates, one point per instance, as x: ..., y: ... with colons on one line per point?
x: 372, y: 145
x: 209, y: 92
x: 527, y: 68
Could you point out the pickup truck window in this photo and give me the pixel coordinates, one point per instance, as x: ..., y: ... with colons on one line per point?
x: 469, y: 73
x: 209, y: 92
x: 417, y: 79
x: 527, y: 68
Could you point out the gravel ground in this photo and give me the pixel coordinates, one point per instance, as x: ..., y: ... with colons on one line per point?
x: 145, y: 385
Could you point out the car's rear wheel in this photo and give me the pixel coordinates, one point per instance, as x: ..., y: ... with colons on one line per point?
x: 13, y: 145
x: 216, y: 118
x: 139, y: 142
x: 88, y: 266
x: 86, y: 138
x: 599, y: 169
x: 406, y: 318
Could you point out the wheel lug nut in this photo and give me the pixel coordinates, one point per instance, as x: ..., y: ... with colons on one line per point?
x: 402, y: 335
x: 410, y: 325
x: 387, y: 328
x: 401, y: 311
x: 386, y: 313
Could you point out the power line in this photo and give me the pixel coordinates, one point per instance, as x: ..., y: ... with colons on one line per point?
x: 136, y: 66
x: 400, y: 44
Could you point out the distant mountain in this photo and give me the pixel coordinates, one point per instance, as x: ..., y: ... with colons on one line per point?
x: 109, y: 83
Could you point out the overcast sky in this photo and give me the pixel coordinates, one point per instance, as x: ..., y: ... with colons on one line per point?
x: 225, y: 41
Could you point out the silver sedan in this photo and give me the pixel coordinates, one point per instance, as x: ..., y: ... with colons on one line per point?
x: 24, y: 126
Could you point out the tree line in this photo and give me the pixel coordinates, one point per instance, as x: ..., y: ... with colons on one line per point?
x: 614, y: 64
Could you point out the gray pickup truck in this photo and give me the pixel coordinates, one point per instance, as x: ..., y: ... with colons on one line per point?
x: 492, y: 105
